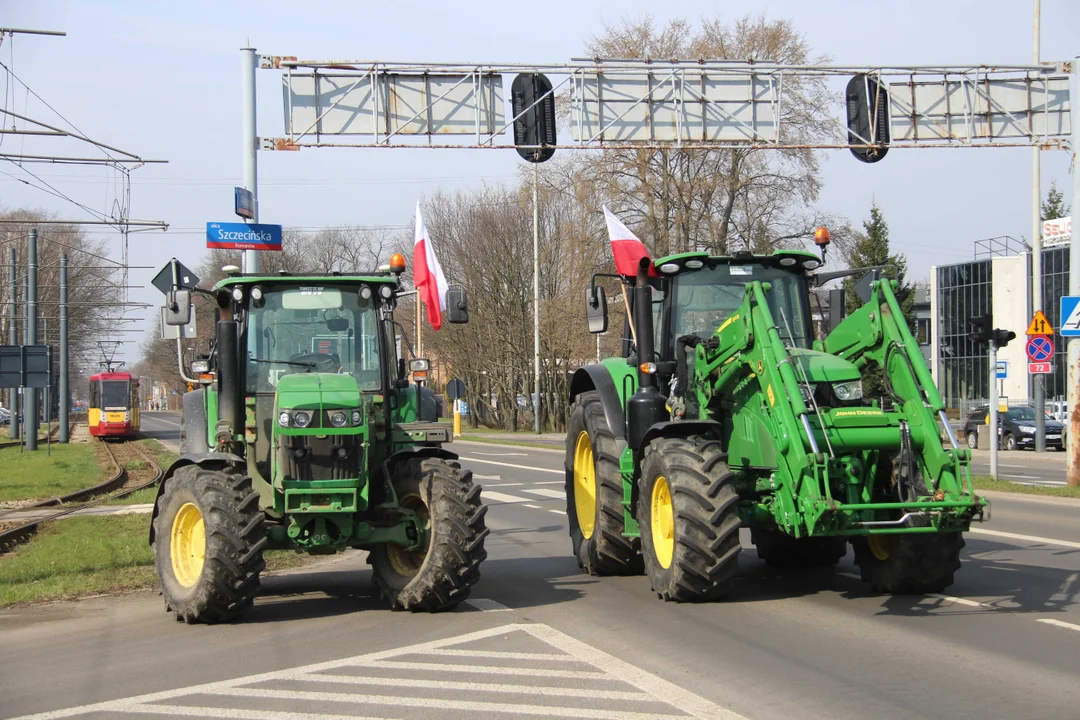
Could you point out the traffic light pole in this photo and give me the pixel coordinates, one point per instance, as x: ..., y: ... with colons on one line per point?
x: 993, y: 410
x: 1072, y: 369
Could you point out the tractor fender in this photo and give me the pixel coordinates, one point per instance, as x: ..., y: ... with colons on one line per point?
x: 598, y: 378
x: 420, y: 451
x: 212, y: 461
x: 682, y: 429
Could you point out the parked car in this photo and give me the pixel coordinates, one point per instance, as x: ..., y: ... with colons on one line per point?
x: 5, y: 416
x: 1016, y: 426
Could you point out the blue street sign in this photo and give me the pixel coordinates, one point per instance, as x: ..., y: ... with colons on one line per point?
x: 245, y: 203
x: 241, y: 236
x: 1070, y: 316
x: 1002, y: 369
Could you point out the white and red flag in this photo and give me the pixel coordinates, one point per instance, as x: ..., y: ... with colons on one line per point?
x: 428, y: 278
x: 625, y: 246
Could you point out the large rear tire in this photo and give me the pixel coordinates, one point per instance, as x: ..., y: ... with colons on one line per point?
x: 208, y: 544
x: 441, y: 576
x: 594, y: 493
x: 908, y: 564
x: 688, y: 513
x: 780, y: 550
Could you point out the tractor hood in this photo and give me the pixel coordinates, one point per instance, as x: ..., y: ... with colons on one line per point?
x: 822, y: 367
x: 317, y: 390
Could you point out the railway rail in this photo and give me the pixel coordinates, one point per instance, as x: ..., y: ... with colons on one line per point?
x: 121, y: 483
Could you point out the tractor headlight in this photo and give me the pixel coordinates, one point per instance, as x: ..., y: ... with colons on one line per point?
x: 807, y: 392
x: 385, y: 292
x: 356, y: 417
x: 301, y: 419
x: 238, y: 293
x: 338, y: 418
x: 283, y: 418
x: 848, y: 391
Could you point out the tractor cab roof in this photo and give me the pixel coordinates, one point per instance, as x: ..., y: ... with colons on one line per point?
x: 793, y: 260
x: 291, y: 280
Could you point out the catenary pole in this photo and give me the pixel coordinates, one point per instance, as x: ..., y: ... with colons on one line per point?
x: 65, y: 392
x: 1036, y: 258
x: 1073, y: 348
x: 249, y: 64
x: 13, y: 337
x: 30, y: 414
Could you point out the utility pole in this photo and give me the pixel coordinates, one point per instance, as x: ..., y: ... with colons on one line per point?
x: 1036, y: 258
x: 993, y: 409
x: 30, y: 414
x: 13, y: 338
x: 1073, y: 348
x: 536, y: 296
x: 65, y: 392
x: 250, y: 140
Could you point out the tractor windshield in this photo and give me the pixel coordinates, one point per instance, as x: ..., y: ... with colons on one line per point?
x: 705, y: 298
x: 312, y: 329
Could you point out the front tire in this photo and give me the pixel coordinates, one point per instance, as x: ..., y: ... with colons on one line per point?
x: 208, y: 544
x: 439, y: 577
x: 594, y: 494
x: 688, y: 514
x: 1009, y: 443
x: 973, y: 441
x: 780, y: 550
x: 908, y: 564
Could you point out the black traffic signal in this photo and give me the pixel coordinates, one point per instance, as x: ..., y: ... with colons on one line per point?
x: 983, y: 331
x: 535, y: 118
x: 1002, y: 337
x: 867, y: 117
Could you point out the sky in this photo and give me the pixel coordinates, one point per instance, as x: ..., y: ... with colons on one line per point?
x: 162, y: 80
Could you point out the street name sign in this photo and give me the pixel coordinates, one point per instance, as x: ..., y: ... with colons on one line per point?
x: 243, y: 236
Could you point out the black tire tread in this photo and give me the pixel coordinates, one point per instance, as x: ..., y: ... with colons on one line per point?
x: 705, y: 504
x: 608, y: 551
x: 235, y: 539
x: 456, y: 550
x: 922, y: 563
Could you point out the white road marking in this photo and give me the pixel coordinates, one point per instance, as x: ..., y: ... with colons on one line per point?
x: 192, y: 701
x: 1027, y: 538
x: 443, y: 704
x: 550, y: 482
x: 478, y: 476
x: 1058, y: 623
x: 502, y: 497
x: 484, y: 687
x: 558, y: 512
x: 163, y: 420
x: 531, y: 506
x: 486, y: 605
x: 961, y: 601
x: 502, y: 454
x: 544, y: 492
x: 511, y: 465
x: 487, y: 485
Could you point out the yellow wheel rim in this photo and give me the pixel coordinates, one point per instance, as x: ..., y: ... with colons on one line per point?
x: 584, y: 485
x: 405, y: 562
x: 879, y: 546
x: 662, y: 522
x: 187, y: 545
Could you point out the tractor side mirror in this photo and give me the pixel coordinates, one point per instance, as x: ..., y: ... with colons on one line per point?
x: 457, y: 306
x: 837, y: 309
x: 596, y: 309
x: 178, y: 307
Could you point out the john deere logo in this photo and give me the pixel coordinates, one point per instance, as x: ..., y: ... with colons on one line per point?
x: 857, y: 413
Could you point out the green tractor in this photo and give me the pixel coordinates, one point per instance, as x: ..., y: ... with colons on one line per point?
x: 726, y: 412
x: 307, y: 434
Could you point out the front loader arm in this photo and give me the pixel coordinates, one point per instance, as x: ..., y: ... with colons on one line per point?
x: 877, y: 334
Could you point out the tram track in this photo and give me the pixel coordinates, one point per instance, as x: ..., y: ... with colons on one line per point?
x: 122, y: 482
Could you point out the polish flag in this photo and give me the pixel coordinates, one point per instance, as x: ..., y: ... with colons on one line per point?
x: 428, y: 278
x: 625, y: 246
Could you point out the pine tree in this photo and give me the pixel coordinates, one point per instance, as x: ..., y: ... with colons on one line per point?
x: 1054, y: 207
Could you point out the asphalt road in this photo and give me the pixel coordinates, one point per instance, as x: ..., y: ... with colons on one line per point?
x: 163, y: 427
x: 542, y: 640
x: 1023, y: 466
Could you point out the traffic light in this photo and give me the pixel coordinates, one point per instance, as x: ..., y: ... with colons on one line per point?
x: 1002, y: 337
x: 867, y: 117
x: 983, y: 331
x: 533, y: 104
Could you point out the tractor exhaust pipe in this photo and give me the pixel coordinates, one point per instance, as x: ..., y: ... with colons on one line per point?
x: 647, y: 406
x: 230, y: 408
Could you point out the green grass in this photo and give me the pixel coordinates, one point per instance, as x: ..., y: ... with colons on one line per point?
x: 984, y: 482
x: 5, y: 431
x: 84, y: 556
x: 37, y: 475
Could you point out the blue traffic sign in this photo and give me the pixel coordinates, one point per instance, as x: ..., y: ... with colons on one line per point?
x: 245, y: 202
x: 1002, y: 369
x: 1070, y: 316
x: 242, y: 236
x: 1039, y: 348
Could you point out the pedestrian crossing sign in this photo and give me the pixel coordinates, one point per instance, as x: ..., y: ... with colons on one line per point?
x: 1070, y: 316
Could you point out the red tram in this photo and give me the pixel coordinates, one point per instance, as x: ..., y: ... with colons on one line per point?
x: 114, y: 405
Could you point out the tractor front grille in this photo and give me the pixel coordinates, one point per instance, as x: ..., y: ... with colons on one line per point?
x: 306, y: 457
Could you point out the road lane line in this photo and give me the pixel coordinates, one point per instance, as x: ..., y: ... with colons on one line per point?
x: 511, y: 465
x: 502, y: 454
x: 558, y: 512
x: 502, y: 497
x: 497, y: 655
x: 490, y: 669
x: 487, y: 477
x: 550, y: 482
x: 1027, y: 538
x: 961, y: 601
x: 357, y: 699
x: 487, y: 485
x: 544, y: 492
x: 531, y: 506
x: 231, y: 713
x: 486, y: 687
x: 1058, y: 623
x: 486, y: 605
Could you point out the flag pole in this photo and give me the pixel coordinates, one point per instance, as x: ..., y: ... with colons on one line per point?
x: 629, y: 315
x: 419, y: 325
